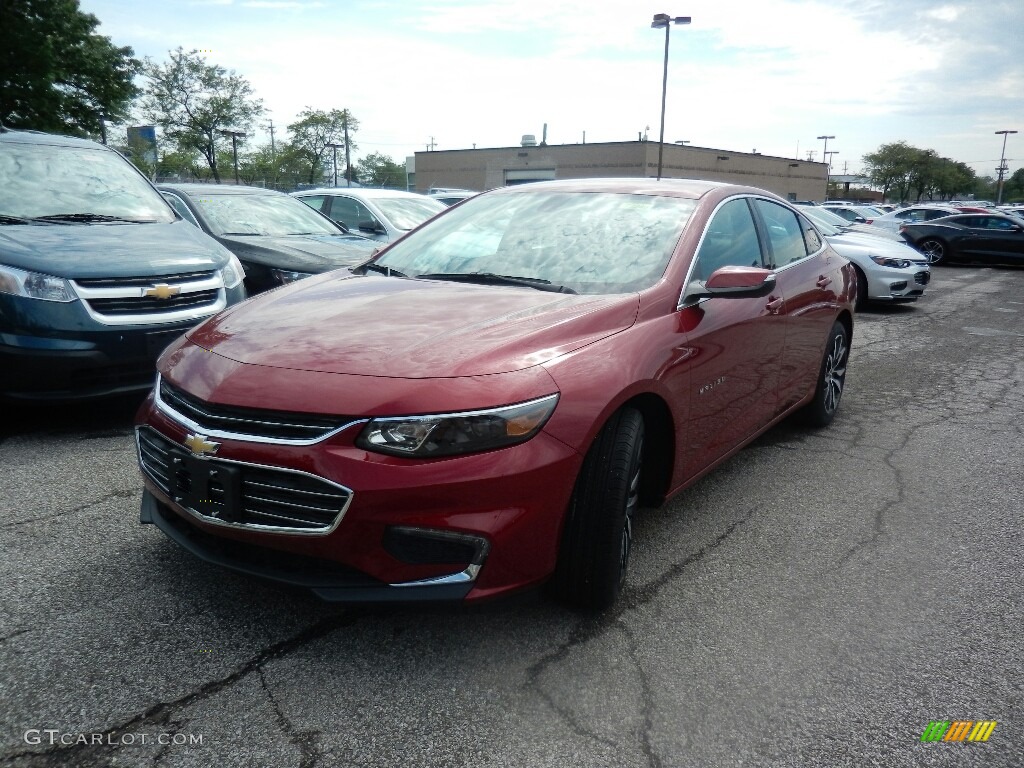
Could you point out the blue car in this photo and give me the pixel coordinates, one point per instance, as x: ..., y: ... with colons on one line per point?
x: 97, y: 272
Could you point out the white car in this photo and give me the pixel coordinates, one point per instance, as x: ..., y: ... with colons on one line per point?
x: 913, y: 214
x: 379, y: 214
x: 886, y: 270
x: 820, y: 215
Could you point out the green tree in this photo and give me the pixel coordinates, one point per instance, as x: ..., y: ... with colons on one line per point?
x: 315, y: 130
x: 890, y: 167
x: 1013, y: 187
x: 378, y: 170
x: 193, y: 102
x: 56, y: 73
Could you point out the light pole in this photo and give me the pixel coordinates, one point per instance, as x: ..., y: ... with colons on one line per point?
x: 334, y: 147
x: 235, y: 136
x: 828, y: 169
x: 824, y: 154
x: 666, y: 21
x: 1002, y: 166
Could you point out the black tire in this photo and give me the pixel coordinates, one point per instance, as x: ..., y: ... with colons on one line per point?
x: 933, y: 249
x: 862, y: 290
x: 598, y: 531
x: 831, y: 379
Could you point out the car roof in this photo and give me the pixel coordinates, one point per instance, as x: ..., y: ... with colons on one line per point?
x: 688, y: 188
x: 217, y: 189
x: 368, y: 192
x: 9, y: 135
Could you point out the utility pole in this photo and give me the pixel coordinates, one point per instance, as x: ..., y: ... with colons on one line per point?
x: 1003, y: 167
x: 334, y: 148
x: 431, y: 145
x: 273, y: 149
x: 348, y: 156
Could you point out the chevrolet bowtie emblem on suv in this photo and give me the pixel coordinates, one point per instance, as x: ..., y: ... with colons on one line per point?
x: 200, y: 446
x: 162, y: 291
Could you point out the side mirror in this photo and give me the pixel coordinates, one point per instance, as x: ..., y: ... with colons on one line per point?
x: 860, y: 220
x: 371, y: 226
x: 732, y: 282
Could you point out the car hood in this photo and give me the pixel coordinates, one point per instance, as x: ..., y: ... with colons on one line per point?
x: 854, y: 244
x: 109, y: 250
x: 301, y: 253
x: 379, y: 326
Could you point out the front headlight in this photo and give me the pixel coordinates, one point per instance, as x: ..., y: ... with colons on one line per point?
x: 448, y: 434
x: 285, y: 276
x: 887, y: 261
x: 33, y: 285
x: 232, y: 274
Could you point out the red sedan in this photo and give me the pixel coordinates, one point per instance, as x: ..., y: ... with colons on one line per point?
x: 485, y: 406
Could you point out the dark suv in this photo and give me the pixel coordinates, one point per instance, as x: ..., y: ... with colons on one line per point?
x: 97, y: 272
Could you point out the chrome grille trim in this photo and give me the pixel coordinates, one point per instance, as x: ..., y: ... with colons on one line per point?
x: 190, y: 422
x: 97, y: 294
x: 320, y: 518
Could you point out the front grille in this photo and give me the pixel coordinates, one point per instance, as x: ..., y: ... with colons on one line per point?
x: 255, y: 422
x: 240, y: 494
x: 125, y: 282
x: 922, y: 278
x: 149, y: 304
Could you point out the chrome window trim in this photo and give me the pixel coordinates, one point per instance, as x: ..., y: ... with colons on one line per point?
x: 188, y: 423
x: 246, y: 526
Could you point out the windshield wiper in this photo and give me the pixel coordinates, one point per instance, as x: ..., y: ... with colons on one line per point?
x: 5, y: 219
x: 93, y: 217
x: 490, y: 278
x: 384, y: 270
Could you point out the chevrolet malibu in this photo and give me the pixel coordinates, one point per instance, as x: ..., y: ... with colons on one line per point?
x: 484, y: 406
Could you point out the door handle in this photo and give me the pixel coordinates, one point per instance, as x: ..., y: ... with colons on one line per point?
x: 773, y: 305
x: 824, y: 281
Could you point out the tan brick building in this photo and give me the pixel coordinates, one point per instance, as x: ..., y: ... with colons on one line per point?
x: 482, y: 169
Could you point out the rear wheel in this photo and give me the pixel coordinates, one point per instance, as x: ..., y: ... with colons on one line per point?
x: 933, y: 249
x: 831, y: 379
x: 598, y: 533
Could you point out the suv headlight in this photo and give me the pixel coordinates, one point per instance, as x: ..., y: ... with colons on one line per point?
x: 33, y: 285
x: 232, y: 274
x: 888, y: 261
x: 448, y: 434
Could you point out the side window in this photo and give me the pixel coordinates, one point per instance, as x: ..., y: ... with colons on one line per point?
x: 730, y: 240
x: 349, y: 212
x: 812, y: 240
x: 179, y: 205
x: 784, y: 233
x: 316, y: 202
x: 933, y: 214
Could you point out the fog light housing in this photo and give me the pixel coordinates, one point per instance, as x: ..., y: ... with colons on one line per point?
x: 900, y: 286
x: 429, y: 546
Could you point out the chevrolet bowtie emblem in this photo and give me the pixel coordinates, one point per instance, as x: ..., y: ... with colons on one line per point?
x: 199, y: 445
x: 162, y: 291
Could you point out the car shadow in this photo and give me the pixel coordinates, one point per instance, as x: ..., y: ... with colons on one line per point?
x: 89, y: 419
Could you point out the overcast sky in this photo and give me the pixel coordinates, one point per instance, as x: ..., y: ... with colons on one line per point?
x: 747, y: 75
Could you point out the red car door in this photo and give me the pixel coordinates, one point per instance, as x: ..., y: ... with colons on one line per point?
x: 809, y: 275
x: 736, y: 345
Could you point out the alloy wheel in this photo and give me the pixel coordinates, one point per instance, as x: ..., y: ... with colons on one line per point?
x: 835, y: 373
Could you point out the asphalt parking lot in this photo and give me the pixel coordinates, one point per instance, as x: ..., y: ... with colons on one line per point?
x: 816, y: 601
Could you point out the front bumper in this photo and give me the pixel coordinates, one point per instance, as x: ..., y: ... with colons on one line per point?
x: 459, y: 528
x: 897, y: 285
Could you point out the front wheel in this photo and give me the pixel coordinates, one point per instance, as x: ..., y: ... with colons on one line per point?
x: 598, y: 533
x: 933, y: 249
x: 862, y: 290
x: 831, y: 379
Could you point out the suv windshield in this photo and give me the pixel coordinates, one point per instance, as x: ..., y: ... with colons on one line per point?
x: 267, y: 215
x: 75, y: 184
x: 587, y: 242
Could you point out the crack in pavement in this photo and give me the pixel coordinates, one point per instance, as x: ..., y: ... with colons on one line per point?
x: 162, y: 713
x: 14, y: 635
x: 647, y: 699
x: 594, y: 627
x: 304, y: 740
x: 123, y: 493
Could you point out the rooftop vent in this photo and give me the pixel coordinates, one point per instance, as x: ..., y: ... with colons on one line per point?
x: 529, y: 140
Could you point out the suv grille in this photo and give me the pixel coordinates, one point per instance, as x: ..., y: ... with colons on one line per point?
x: 124, y: 300
x: 240, y: 494
x: 273, y: 425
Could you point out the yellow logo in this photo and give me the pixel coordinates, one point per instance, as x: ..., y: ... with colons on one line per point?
x: 162, y: 291
x: 200, y: 446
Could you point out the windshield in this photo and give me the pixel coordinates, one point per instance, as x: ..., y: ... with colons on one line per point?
x: 828, y: 222
x: 51, y: 180
x: 588, y: 242
x: 265, y: 215
x: 408, y: 212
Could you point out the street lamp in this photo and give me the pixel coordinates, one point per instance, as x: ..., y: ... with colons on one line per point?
x: 334, y: 147
x: 235, y: 136
x: 666, y: 21
x: 828, y: 168
x: 1002, y: 166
